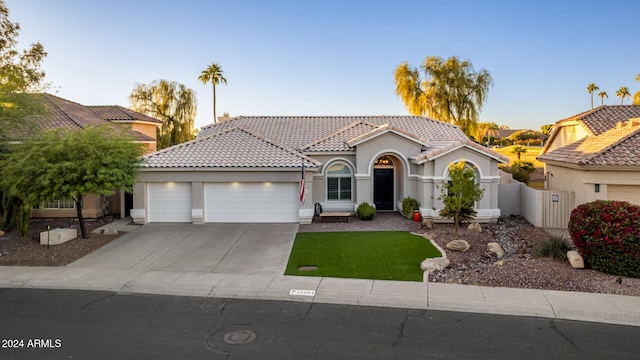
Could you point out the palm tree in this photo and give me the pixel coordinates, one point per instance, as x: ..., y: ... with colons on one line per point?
x: 622, y: 93
x: 213, y: 74
x: 637, y: 77
x: 518, y: 150
x: 591, y: 88
x: 603, y: 94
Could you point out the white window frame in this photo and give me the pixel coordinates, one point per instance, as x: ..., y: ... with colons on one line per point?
x: 58, y: 204
x: 339, y: 176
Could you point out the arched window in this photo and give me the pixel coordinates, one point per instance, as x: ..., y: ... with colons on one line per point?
x: 339, y: 182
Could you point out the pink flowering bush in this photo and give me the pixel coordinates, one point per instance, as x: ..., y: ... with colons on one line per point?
x: 607, y: 235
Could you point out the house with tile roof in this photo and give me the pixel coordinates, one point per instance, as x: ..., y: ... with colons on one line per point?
x: 249, y: 169
x: 596, y: 155
x: 59, y: 113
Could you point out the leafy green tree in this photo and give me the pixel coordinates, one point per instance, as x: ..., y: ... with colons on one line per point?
x: 482, y: 131
x: 20, y: 73
x: 460, y: 194
x: 603, y: 94
x: 71, y: 164
x: 450, y: 91
x: 171, y: 102
x: 622, y: 93
x: 591, y: 88
x: 213, y: 74
x: 518, y: 150
x: 546, y: 129
x: 521, y: 170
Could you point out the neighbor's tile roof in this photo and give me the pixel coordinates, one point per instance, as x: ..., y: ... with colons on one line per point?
x: 59, y: 113
x: 298, y: 132
x: 603, y: 118
x: 619, y: 146
x: 118, y: 113
x: 233, y: 147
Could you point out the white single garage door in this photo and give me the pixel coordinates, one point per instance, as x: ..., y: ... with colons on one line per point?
x: 169, y: 202
x: 630, y: 193
x: 251, y: 202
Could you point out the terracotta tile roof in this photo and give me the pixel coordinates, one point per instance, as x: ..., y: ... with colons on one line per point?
x: 439, y: 148
x: 120, y: 114
x: 603, y: 118
x: 300, y: 131
x: 233, y: 147
x: 619, y: 146
x: 384, y: 128
x: 338, y: 141
x: 59, y: 113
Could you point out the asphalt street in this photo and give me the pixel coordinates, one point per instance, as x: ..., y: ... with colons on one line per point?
x: 68, y: 324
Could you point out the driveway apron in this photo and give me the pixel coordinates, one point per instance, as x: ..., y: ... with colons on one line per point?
x: 219, y: 248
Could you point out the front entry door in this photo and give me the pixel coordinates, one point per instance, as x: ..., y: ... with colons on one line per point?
x: 383, y: 189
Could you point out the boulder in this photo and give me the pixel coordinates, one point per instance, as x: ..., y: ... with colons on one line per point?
x: 495, y: 248
x: 427, y: 224
x: 1, y: 232
x: 575, y: 259
x: 110, y: 231
x: 458, y: 245
x: 434, y: 264
x: 475, y: 227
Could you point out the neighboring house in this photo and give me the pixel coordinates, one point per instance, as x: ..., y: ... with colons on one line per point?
x: 596, y: 154
x: 248, y: 169
x: 59, y: 113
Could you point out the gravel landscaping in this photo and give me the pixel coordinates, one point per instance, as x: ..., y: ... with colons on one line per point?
x: 27, y: 251
x: 478, y: 266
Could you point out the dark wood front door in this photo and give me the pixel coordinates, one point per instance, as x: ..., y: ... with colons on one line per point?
x: 383, y: 189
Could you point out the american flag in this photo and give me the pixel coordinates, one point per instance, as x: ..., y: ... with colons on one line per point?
x: 302, y: 184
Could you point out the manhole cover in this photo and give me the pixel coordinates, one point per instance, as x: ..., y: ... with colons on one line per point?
x: 238, y: 338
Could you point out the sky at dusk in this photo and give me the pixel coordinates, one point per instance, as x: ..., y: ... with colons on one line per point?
x: 336, y: 57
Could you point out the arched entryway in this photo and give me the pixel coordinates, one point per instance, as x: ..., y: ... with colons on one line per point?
x: 385, y: 182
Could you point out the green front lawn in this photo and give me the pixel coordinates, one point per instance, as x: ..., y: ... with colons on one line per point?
x: 380, y: 255
x: 530, y: 155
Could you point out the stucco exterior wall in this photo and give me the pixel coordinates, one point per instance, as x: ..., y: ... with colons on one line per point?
x: 567, y: 134
x: 584, y: 182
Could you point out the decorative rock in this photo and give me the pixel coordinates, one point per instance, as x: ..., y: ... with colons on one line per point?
x: 430, y: 235
x: 427, y: 224
x: 503, y: 261
x: 434, y: 264
x: 110, y: 231
x: 458, y: 245
x: 575, y: 259
x: 495, y: 248
x: 475, y: 226
x: 1, y: 232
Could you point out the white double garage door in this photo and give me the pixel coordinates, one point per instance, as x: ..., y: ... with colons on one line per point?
x: 225, y: 202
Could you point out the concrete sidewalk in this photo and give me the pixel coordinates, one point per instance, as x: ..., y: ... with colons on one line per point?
x: 615, y: 309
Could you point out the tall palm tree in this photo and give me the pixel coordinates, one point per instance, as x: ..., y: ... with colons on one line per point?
x: 213, y: 74
x: 603, y: 94
x: 622, y: 93
x: 591, y: 88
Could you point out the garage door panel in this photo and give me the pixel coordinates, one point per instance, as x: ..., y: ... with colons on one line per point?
x: 630, y: 193
x: 169, y: 202
x: 251, y: 202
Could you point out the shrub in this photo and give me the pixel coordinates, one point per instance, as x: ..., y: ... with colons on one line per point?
x: 607, y: 235
x: 555, y: 247
x: 521, y: 170
x: 408, y: 205
x: 365, y: 211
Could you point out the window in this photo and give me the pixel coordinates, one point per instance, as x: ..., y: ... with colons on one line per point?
x: 59, y: 204
x: 339, y: 182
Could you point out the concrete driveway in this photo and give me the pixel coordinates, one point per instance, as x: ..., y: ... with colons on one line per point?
x: 216, y: 248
